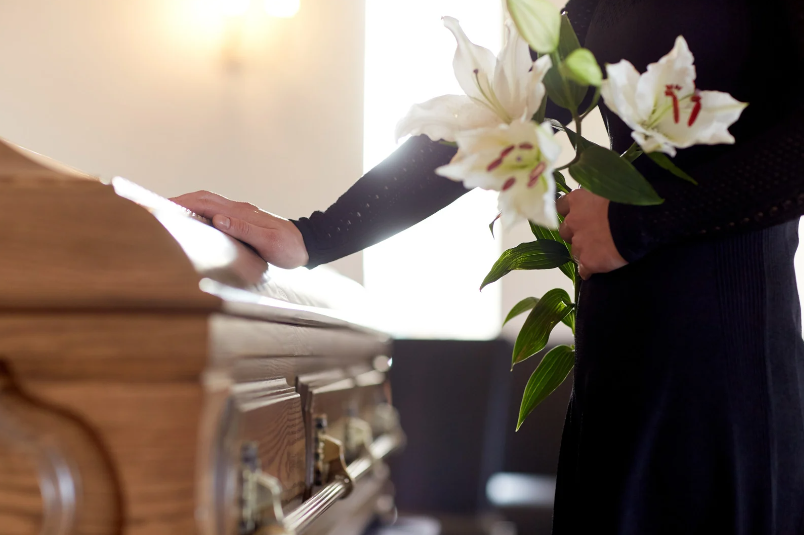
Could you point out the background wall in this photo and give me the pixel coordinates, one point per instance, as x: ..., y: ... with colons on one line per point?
x: 165, y: 93
x: 162, y: 92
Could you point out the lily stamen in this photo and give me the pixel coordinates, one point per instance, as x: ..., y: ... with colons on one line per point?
x: 670, y: 91
x: 491, y: 99
x: 496, y: 163
x: 536, y: 174
x: 696, y: 99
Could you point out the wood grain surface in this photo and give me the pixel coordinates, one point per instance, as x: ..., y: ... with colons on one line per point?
x: 89, y: 248
x: 127, y: 390
x: 56, y: 475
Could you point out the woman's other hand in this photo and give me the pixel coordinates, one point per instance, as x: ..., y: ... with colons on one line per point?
x: 277, y: 240
x: 586, y: 227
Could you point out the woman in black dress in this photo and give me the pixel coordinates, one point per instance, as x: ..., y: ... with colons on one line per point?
x: 687, y: 414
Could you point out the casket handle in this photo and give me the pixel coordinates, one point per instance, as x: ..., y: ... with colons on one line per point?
x: 261, y: 503
x: 303, y: 516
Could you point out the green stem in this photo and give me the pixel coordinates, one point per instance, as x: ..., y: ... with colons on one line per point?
x: 577, y: 285
x: 593, y: 105
x: 577, y: 147
x: 632, y: 153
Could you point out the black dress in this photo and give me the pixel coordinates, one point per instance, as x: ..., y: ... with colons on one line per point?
x: 687, y: 414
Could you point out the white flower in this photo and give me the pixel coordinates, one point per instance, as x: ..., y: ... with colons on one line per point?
x: 515, y: 159
x: 498, y: 90
x: 663, y: 107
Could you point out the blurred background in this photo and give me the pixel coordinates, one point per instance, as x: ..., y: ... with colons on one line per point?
x: 285, y: 103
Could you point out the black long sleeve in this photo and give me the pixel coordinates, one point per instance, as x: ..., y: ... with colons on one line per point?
x: 396, y: 194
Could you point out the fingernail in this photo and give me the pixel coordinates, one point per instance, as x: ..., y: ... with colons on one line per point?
x: 223, y: 221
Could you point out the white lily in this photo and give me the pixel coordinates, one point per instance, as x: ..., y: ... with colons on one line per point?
x: 515, y: 159
x: 498, y: 90
x: 663, y: 107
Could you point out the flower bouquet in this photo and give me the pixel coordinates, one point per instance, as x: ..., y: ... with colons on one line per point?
x: 505, y: 143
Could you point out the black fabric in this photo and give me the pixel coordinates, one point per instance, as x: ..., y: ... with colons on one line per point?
x: 398, y: 193
x: 687, y: 413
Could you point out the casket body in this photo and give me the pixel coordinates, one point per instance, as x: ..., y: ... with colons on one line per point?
x: 157, y: 378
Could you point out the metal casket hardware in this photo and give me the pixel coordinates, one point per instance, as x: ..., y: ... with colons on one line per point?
x: 261, y: 497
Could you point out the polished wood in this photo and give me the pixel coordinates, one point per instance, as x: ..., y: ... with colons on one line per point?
x: 53, y: 465
x: 141, y: 350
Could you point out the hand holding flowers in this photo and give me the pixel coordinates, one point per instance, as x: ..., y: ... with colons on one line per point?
x: 506, y: 144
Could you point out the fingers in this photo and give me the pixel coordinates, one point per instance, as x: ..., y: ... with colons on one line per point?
x: 204, y: 203
x: 565, y: 232
x: 261, y: 239
x: 207, y: 204
x: 563, y: 205
x: 234, y: 227
x: 584, y: 272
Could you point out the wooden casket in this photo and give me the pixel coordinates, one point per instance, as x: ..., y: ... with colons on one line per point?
x: 157, y: 378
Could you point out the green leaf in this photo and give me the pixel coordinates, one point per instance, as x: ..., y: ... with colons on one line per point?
x: 561, y: 182
x: 573, y: 138
x: 581, y: 67
x: 530, y: 302
x: 533, y: 336
x: 569, y: 320
x: 543, y: 254
x: 523, y: 306
x: 633, y: 152
x: 604, y: 173
x: 548, y: 375
x: 538, y: 22
x: 542, y: 233
x: 491, y: 225
x: 666, y: 163
x: 570, y: 96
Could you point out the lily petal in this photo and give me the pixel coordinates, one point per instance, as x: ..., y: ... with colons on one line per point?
x: 718, y: 111
x: 513, y: 64
x: 619, y: 91
x: 676, y: 68
x: 444, y: 116
x: 536, y: 203
x: 550, y: 148
x: 515, y: 159
x: 534, y: 88
x: 473, y: 64
x: 653, y: 142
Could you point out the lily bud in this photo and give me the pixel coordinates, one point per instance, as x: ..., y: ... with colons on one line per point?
x: 581, y: 67
x: 538, y: 22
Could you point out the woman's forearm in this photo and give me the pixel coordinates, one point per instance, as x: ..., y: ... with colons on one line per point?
x: 396, y: 194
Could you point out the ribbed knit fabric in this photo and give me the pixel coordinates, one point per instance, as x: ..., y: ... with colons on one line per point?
x: 687, y: 414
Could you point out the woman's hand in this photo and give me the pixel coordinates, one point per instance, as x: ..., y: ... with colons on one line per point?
x: 277, y: 240
x: 586, y: 227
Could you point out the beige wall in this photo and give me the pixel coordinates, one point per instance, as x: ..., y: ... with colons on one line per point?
x: 140, y: 88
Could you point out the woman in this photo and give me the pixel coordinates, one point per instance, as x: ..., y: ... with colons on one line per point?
x: 687, y: 414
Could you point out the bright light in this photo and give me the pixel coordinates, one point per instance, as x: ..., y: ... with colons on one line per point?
x: 230, y: 8
x: 425, y: 280
x: 282, y: 8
